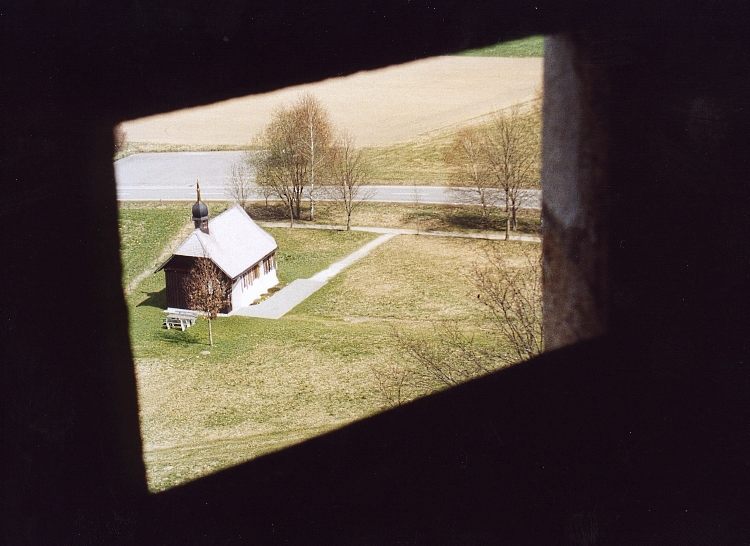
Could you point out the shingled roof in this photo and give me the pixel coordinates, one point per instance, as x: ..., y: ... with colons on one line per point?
x: 234, y: 242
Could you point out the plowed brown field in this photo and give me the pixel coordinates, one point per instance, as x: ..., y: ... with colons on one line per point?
x: 379, y: 107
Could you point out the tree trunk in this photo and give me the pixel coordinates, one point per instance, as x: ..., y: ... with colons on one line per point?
x: 348, y: 221
x: 312, y: 169
x: 514, y: 220
x: 507, y: 228
x: 210, y: 333
x: 291, y: 215
x: 506, y: 199
x: 483, y: 202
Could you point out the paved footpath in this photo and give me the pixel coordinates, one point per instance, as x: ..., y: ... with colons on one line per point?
x: 299, y: 290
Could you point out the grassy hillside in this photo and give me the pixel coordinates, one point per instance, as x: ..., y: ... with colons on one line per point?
x: 420, y: 161
x: 144, y: 231
x: 266, y: 384
x: 532, y: 46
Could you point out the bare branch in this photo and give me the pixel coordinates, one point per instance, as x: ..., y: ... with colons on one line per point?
x: 207, y: 290
x: 512, y: 148
x: 316, y: 135
x: 512, y: 295
x: 239, y: 185
x: 294, y: 149
x: 349, y: 173
x: 471, y: 171
x: 393, y: 383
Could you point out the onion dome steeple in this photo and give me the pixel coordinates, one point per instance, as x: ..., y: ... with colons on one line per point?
x: 200, y: 210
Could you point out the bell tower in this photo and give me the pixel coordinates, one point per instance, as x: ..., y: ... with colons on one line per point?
x: 200, y: 210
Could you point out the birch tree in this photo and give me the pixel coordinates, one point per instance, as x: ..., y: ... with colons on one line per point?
x: 294, y: 149
x: 316, y: 134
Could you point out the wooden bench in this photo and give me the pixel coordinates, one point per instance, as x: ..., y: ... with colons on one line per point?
x: 179, y: 319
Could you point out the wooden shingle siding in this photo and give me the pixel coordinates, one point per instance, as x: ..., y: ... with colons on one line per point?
x: 176, y: 272
x: 176, y: 291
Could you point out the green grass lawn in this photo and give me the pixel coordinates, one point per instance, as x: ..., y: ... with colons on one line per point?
x: 302, y: 254
x: 266, y: 384
x: 144, y: 230
x: 420, y: 280
x: 532, y: 46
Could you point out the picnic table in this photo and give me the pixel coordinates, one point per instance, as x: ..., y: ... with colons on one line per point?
x: 182, y: 319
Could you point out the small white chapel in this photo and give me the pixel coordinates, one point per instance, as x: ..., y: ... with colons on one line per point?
x: 243, y: 251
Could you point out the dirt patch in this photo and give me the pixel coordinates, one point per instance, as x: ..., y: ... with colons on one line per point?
x: 377, y: 107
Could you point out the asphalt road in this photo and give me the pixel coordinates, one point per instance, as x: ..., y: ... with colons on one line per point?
x: 171, y: 177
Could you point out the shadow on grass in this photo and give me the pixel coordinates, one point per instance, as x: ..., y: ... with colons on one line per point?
x: 421, y: 219
x: 179, y: 337
x: 528, y: 225
x: 448, y: 220
x: 269, y: 213
x: 154, y: 299
x: 473, y: 220
x: 424, y: 217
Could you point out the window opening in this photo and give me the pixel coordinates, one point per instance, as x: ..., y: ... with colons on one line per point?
x: 388, y: 161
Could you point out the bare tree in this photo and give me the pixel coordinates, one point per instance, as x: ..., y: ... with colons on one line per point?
x: 239, y: 185
x: 468, y: 157
x: 512, y: 295
x: 207, y: 291
x: 512, y: 151
x: 417, y: 201
x: 294, y: 148
x: 266, y: 192
x: 449, y: 358
x: 349, y: 173
x: 425, y: 365
x: 394, y: 383
x: 281, y: 165
x: 316, y: 135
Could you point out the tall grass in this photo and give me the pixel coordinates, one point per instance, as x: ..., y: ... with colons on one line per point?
x: 531, y: 46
